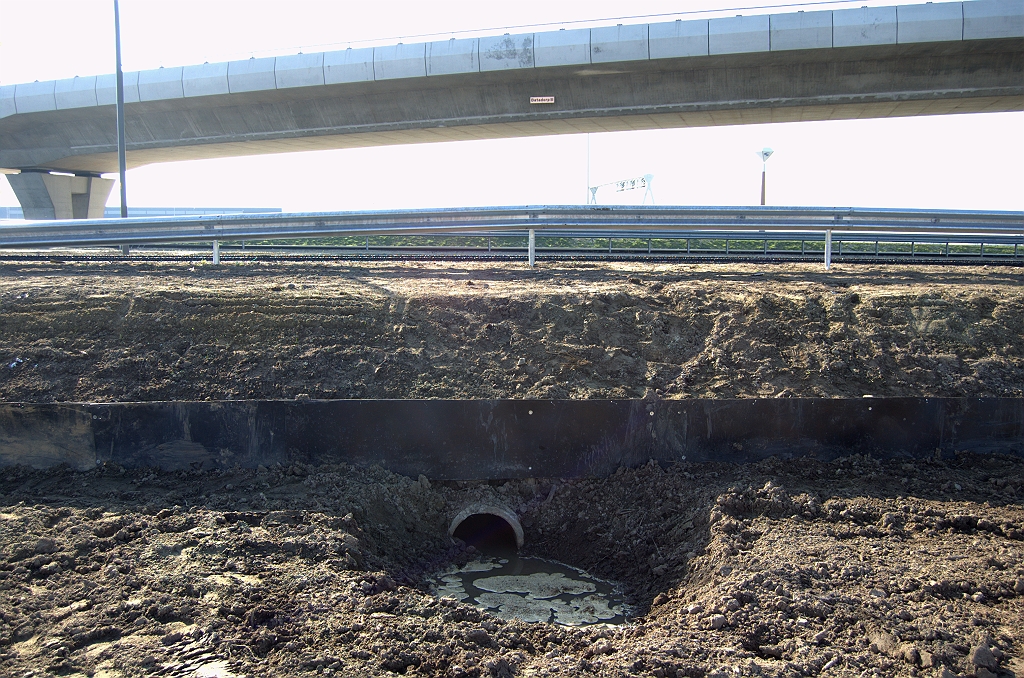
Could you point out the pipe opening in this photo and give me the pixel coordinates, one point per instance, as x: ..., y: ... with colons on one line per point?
x: 487, y: 533
x: 489, y: 529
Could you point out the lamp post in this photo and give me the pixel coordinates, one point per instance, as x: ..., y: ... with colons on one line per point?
x: 119, y: 87
x: 764, y: 154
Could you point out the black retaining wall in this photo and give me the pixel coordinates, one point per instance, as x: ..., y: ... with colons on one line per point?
x: 472, y: 439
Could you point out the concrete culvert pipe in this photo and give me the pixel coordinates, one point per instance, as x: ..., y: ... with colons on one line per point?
x: 487, y: 527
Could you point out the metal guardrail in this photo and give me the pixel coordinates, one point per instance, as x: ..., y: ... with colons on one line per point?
x: 672, y: 244
x: 580, y: 221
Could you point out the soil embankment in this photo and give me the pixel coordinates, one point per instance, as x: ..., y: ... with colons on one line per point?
x: 146, y: 331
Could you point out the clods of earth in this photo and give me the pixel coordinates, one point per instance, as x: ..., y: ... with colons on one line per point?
x: 854, y: 567
x: 266, y: 328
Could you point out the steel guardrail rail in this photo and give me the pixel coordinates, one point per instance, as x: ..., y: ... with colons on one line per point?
x: 480, y: 220
x: 693, y: 248
x: 772, y: 236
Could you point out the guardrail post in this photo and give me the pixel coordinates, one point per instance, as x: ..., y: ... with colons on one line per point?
x: 828, y: 249
x: 126, y: 250
x: 533, y: 248
x: 216, y: 252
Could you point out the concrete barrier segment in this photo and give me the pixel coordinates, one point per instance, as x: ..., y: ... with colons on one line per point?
x: 33, y: 97
x: 677, y: 39
x: 160, y: 83
x: 931, y: 22
x: 348, y: 65
x: 801, y: 30
x: 864, y: 26
x: 739, y: 34
x: 43, y: 439
x: 448, y: 57
x: 252, y: 75
x: 75, y: 92
x: 299, y: 70
x: 7, y: 106
x: 992, y: 19
x: 480, y: 439
x: 106, y: 88
x: 562, y: 48
x: 205, y: 80
x: 619, y: 43
x: 505, y: 52
x: 400, y: 61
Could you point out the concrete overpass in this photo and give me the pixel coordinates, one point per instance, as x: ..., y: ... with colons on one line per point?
x: 942, y: 58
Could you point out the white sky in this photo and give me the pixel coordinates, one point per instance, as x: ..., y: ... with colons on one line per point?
x: 964, y: 162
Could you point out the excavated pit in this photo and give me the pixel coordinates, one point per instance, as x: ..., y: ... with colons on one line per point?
x: 500, y: 581
x: 765, y: 565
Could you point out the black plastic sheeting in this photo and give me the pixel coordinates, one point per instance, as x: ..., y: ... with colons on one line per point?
x: 476, y: 439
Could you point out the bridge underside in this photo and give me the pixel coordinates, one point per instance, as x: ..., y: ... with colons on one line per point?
x: 828, y: 84
x: 739, y: 115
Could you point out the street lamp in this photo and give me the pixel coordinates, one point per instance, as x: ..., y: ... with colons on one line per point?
x: 119, y: 88
x: 764, y: 154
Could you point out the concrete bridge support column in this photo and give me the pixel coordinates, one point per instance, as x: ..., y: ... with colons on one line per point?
x: 60, y: 196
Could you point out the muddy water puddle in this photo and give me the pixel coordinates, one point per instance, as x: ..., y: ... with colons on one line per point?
x: 533, y: 590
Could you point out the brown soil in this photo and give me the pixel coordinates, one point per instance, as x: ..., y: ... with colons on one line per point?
x: 851, y: 568
x: 150, y: 331
x: 857, y: 567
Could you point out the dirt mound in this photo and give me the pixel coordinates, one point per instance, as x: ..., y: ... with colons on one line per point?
x: 145, y: 331
x: 769, y: 569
